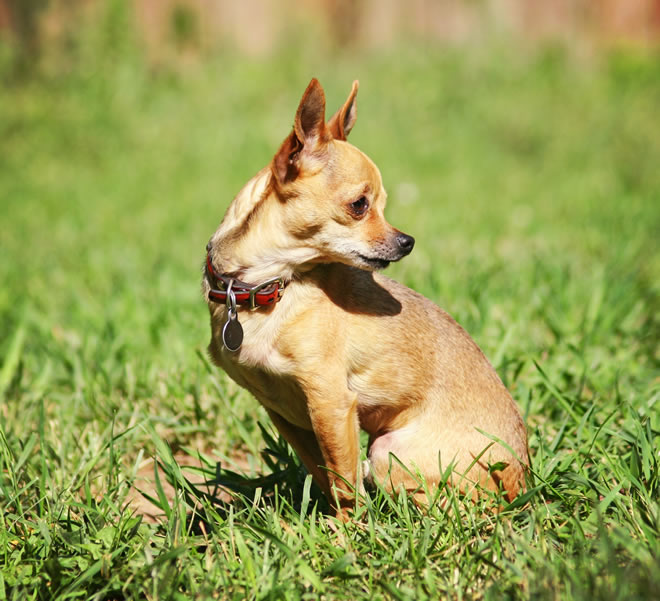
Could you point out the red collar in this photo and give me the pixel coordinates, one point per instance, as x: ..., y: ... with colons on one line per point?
x: 254, y: 295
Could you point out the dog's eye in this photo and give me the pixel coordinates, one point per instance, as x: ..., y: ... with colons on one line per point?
x: 360, y: 206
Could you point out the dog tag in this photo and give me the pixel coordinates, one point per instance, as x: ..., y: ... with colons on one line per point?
x: 232, y: 333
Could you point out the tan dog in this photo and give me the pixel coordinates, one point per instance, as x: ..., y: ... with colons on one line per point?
x: 330, y: 346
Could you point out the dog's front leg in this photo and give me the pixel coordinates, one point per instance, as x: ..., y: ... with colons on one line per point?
x: 306, y: 446
x: 337, y: 429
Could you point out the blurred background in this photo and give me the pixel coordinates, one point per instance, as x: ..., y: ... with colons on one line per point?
x: 259, y: 27
x: 519, y: 143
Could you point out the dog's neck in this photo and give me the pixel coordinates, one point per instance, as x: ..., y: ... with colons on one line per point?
x: 251, y: 243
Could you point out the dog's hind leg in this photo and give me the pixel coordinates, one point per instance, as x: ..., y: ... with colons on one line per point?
x: 416, y: 456
x: 391, y: 465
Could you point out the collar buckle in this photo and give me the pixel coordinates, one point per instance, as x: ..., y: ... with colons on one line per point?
x: 279, y: 280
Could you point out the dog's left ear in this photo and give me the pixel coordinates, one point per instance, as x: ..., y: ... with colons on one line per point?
x: 309, y: 133
x: 342, y: 122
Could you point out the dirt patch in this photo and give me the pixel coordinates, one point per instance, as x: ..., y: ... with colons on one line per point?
x: 145, y: 481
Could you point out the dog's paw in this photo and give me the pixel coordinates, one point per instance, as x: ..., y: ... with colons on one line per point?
x: 367, y: 477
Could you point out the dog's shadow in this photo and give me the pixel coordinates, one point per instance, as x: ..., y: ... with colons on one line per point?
x: 367, y: 296
x: 224, y: 492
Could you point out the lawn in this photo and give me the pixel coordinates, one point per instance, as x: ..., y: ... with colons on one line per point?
x: 530, y: 181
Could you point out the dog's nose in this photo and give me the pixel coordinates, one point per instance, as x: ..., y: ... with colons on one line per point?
x: 405, y: 243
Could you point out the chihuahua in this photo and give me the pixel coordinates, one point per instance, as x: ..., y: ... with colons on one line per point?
x: 302, y: 319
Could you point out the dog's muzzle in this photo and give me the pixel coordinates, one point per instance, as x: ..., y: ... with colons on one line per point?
x: 405, y: 243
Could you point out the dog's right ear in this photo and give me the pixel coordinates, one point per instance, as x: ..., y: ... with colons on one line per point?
x: 309, y: 133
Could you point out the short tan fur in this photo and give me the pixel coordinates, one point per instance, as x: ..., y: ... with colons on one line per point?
x: 347, y: 348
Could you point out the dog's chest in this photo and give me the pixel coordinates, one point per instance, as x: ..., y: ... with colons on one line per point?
x: 275, y: 390
x: 261, y: 367
x: 279, y: 393
x: 259, y: 349
x: 260, y: 345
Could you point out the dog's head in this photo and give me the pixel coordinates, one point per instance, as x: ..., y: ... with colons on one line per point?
x: 331, y: 193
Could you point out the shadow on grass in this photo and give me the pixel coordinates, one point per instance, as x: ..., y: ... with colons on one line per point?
x: 224, y: 492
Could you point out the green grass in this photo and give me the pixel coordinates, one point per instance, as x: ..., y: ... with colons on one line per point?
x: 531, y: 183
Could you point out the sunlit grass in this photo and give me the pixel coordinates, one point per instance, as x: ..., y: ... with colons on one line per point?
x: 531, y: 186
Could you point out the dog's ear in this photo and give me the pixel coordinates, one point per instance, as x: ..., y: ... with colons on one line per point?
x: 310, y: 116
x: 309, y: 133
x: 342, y: 122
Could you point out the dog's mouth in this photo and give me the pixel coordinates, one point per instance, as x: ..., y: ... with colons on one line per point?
x: 373, y: 262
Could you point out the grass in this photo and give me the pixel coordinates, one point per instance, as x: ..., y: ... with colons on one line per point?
x: 530, y: 182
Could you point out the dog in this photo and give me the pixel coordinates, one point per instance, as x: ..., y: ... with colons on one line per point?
x: 302, y: 319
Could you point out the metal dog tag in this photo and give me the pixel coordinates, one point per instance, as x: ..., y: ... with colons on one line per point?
x: 232, y: 333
